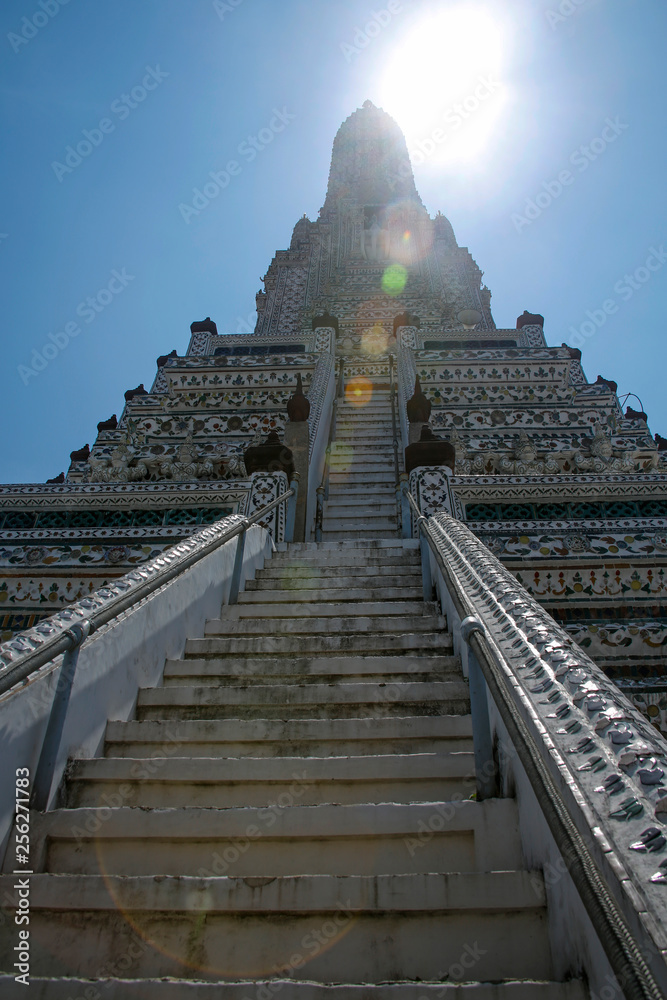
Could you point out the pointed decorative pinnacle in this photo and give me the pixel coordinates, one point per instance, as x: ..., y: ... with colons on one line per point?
x: 298, y: 405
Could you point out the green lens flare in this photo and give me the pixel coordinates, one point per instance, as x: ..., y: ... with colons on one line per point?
x: 393, y: 279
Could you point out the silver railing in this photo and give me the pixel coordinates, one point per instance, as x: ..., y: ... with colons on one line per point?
x: 322, y: 491
x: 30, y: 651
x: 520, y: 657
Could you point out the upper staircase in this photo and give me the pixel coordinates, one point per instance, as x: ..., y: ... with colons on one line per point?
x: 362, y: 478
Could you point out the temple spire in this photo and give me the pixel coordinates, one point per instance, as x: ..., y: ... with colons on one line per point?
x: 370, y: 164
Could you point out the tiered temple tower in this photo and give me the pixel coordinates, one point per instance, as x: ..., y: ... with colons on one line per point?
x: 567, y: 490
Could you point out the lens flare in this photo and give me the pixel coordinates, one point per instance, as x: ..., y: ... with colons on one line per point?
x: 375, y: 340
x: 359, y: 391
x: 394, y: 279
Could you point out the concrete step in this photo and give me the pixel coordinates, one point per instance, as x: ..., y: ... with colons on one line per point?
x: 211, y: 783
x: 341, y: 699
x: 340, y: 533
x: 368, y: 548
x: 316, y: 578
x: 397, y: 560
x: 378, y: 416
x: 345, y: 625
x: 328, y: 609
x: 358, y: 493
x: 383, y: 928
x: 279, y: 737
x: 371, y: 508
x: 290, y: 989
x: 359, y: 465
x: 339, y: 519
x: 345, y: 498
x: 339, y: 522
x: 359, y: 446
x: 286, y: 645
x: 371, y: 477
x: 335, y: 589
x: 374, y: 437
x: 342, y: 450
x: 285, y: 839
x: 304, y: 669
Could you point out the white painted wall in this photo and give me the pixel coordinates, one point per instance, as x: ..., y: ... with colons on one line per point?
x: 113, y: 664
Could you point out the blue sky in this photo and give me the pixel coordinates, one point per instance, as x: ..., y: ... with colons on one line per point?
x: 213, y: 75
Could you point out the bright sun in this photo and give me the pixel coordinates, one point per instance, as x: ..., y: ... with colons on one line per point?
x: 443, y: 84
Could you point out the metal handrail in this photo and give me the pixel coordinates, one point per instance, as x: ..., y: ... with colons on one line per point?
x: 64, y: 641
x: 322, y: 491
x: 394, y: 428
x: 616, y: 938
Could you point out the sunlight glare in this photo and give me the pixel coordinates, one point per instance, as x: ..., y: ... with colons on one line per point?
x: 435, y: 80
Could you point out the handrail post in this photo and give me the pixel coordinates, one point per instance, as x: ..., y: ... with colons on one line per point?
x: 235, y: 583
x: 406, y: 519
x: 319, y: 514
x: 394, y: 422
x: 290, y: 515
x: 327, y: 453
x: 46, y: 766
x: 486, y: 771
x: 427, y: 579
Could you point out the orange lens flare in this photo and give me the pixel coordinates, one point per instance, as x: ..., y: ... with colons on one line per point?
x: 359, y: 390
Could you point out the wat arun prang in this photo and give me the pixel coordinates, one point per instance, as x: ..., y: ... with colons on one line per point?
x: 564, y: 487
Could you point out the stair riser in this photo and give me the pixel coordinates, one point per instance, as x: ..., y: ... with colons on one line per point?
x: 329, y: 609
x: 339, y: 510
x: 354, y: 948
x: 162, y: 989
x: 242, y: 856
x: 365, y: 505
x: 369, y: 478
x: 376, y: 732
x: 340, y: 625
x: 223, y: 795
x: 441, y: 642
x: 331, y: 590
x: 377, y: 527
x: 222, y: 677
x: 304, y: 748
x: 406, y: 570
x: 340, y: 535
x: 450, y: 706
x: 340, y: 668
x: 345, y: 556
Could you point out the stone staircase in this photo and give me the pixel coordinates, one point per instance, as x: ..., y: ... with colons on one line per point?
x: 291, y: 814
x: 362, y: 478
